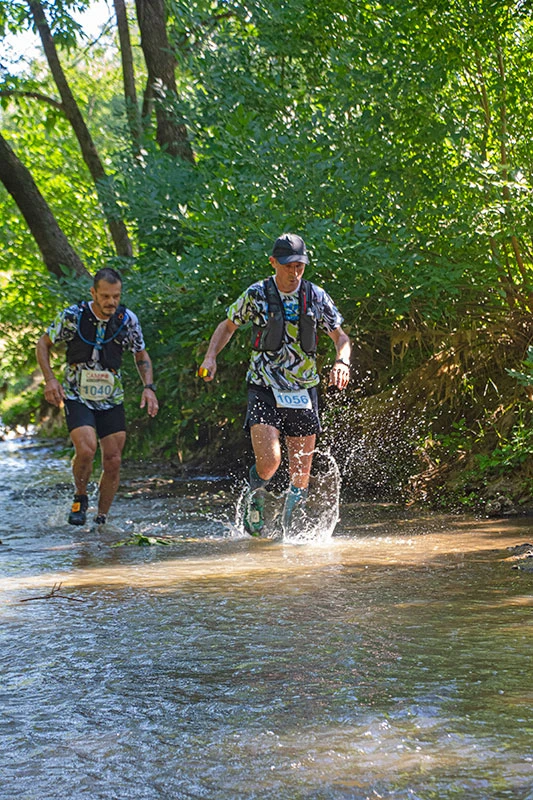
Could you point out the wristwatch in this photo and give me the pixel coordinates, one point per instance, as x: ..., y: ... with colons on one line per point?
x: 151, y: 386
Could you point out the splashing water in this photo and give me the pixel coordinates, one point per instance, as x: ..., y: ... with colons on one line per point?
x: 391, y: 661
x: 377, y: 457
x: 315, y: 522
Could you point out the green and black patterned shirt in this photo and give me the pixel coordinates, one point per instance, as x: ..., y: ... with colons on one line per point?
x: 290, y: 367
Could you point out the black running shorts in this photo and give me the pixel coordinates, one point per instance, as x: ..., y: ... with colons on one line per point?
x: 262, y: 409
x: 112, y: 420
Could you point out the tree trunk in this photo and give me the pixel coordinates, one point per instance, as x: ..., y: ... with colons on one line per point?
x: 171, y: 134
x: 90, y: 156
x: 55, y: 248
x: 128, y: 75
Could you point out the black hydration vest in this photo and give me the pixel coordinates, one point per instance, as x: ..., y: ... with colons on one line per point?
x: 270, y: 336
x: 80, y: 348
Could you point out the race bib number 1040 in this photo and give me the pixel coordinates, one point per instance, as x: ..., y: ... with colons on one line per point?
x: 300, y: 399
x: 96, y: 384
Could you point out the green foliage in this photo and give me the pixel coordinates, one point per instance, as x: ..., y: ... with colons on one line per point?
x: 15, y: 18
x: 502, y: 471
x: 396, y: 138
x: 524, y: 376
x: 512, y: 451
x: 140, y: 540
x: 21, y: 408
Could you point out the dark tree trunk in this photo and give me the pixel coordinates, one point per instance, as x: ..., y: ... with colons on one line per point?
x: 130, y: 93
x: 55, y: 248
x: 171, y: 134
x: 72, y: 112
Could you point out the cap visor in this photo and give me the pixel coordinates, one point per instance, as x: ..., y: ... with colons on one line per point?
x: 289, y: 259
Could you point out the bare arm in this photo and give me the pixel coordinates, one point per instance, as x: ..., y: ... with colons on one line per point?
x: 53, y: 391
x: 340, y: 374
x: 221, y: 336
x: 143, y: 363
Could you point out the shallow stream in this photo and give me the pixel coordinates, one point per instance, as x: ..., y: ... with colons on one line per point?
x: 389, y: 660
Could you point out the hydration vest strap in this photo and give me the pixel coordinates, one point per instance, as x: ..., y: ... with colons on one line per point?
x: 269, y: 337
x: 275, y: 303
x: 120, y: 314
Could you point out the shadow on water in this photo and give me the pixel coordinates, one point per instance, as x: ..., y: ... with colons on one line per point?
x: 392, y: 660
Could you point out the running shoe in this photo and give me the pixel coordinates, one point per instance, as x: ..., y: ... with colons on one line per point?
x: 294, y: 505
x: 78, y: 512
x: 254, y: 513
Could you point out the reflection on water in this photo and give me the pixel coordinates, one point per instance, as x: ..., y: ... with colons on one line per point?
x: 391, y: 661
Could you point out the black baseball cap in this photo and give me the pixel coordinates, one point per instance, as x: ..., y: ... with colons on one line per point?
x: 290, y: 247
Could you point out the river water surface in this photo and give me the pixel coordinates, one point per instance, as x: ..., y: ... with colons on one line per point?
x: 389, y: 660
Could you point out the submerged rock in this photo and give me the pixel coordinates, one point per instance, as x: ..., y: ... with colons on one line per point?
x: 499, y: 506
x: 522, y: 557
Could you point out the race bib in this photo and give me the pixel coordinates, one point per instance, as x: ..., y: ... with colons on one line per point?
x: 96, y: 384
x: 289, y: 399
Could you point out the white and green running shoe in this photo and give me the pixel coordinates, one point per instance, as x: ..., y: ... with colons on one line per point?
x: 254, y: 512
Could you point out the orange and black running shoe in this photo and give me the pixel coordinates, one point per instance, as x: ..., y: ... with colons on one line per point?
x: 78, y: 512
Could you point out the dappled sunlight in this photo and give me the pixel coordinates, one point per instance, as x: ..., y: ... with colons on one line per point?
x: 402, y: 747
x: 238, y: 561
x: 387, y: 657
x: 359, y: 650
x: 521, y: 600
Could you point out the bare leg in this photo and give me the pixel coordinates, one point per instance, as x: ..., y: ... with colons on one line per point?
x: 111, y: 447
x: 85, y: 443
x: 267, y: 450
x: 300, y: 450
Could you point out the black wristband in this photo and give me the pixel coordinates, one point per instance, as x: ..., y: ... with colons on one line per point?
x: 151, y: 386
x: 341, y: 361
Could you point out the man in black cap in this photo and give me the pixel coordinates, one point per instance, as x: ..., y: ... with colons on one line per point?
x: 286, y: 313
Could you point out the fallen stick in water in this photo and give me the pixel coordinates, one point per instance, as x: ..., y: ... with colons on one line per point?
x: 54, y: 592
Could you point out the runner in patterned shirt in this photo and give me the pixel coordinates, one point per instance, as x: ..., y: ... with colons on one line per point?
x: 282, y: 376
x: 96, y: 334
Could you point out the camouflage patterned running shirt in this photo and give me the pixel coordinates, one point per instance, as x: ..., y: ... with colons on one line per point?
x: 290, y: 367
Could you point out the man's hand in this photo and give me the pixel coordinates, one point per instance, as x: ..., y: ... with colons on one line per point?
x: 223, y: 333
x: 207, y: 369
x: 339, y: 375
x: 149, y: 399
x: 54, y: 392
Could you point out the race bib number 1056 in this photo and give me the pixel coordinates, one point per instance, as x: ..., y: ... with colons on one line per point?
x: 288, y: 399
x: 96, y: 384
